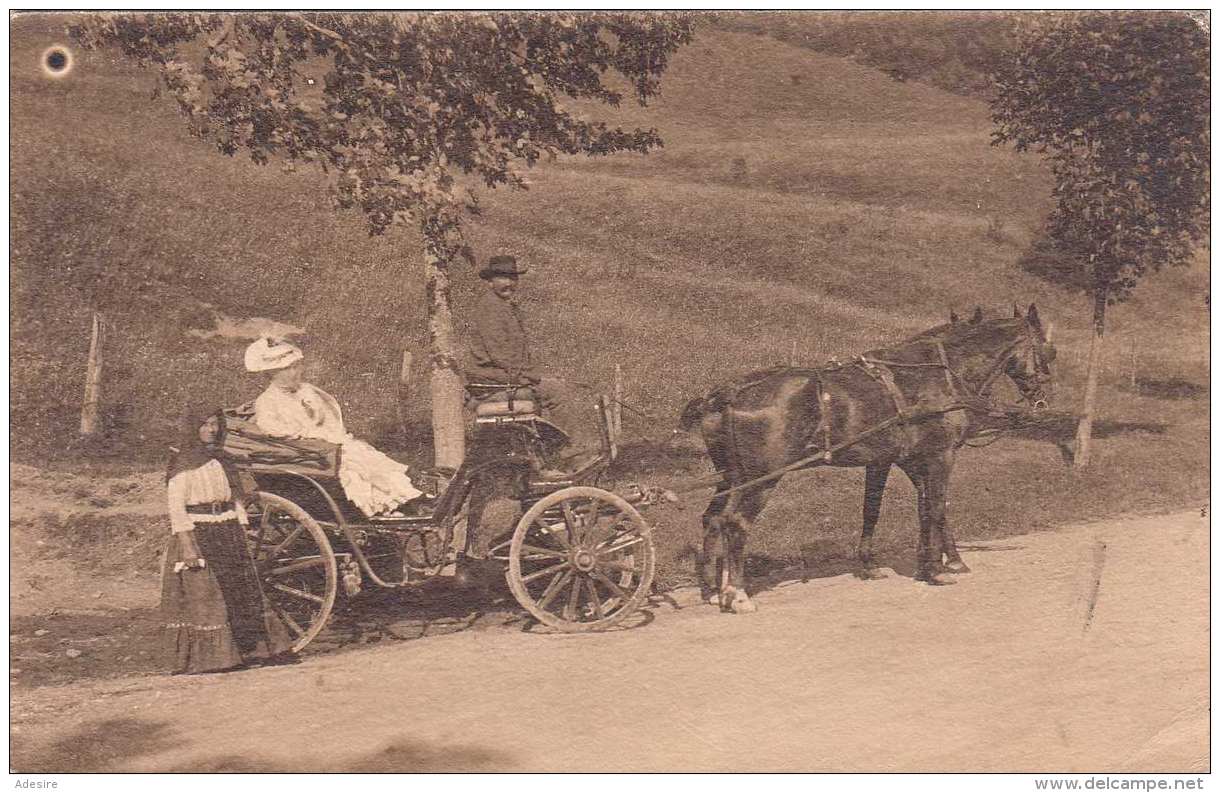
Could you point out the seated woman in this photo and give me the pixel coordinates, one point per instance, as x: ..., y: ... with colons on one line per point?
x: 292, y: 408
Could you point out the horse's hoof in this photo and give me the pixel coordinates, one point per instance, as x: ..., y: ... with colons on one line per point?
x: 933, y: 579
x: 712, y: 599
x: 869, y: 574
x: 956, y: 567
x: 743, y: 605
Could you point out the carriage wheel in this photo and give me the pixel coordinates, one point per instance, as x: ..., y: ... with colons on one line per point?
x: 295, y: 564
x: 581, y: 559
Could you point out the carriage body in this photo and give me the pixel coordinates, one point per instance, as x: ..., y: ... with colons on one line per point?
x: 579, y: 557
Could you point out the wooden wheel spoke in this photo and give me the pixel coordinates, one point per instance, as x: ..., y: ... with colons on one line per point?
x: 569, y: 610
x: 554, y: 588
x: 570, y: 520
x: 287, y: 618
x: 291, y: 538
x: 597, y: 601
x: 614, y: 564
x: 595, y: 538
x: 536, y: 553
x: 609, y: 584
x: 544, y: 571
x: 297, y: 592
x: 609, y: 549
x: 553, y: 531
x: 595, y: 570
x: 297, y: 566
x: 258, y: 537
x: 594, y: 508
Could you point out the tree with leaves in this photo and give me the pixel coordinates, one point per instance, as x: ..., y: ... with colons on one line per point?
x: 1119, y: 104
x: 398, y: 107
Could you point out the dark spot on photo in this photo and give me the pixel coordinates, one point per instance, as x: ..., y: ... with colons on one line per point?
x: 57, y: 60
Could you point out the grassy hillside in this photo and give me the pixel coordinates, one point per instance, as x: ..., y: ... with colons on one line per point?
x: 953, y: 50
x: 803, y: 207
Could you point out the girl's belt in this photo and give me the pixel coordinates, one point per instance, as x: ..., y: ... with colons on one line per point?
x: 215, y: 508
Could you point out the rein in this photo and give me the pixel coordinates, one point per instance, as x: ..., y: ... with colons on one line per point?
x: 977, y: 402
x: 951, y: 373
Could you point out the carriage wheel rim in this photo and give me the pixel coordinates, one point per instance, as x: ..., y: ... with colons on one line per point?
x: 585, y: 580
x: 272, y: 574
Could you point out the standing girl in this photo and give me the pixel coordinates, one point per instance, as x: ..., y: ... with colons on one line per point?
x: 216, y: 615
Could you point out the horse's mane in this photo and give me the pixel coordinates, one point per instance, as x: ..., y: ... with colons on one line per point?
x: 948, y: 333
x: 951, y: 332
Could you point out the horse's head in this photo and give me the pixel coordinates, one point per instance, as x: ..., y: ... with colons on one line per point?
x: 1029, y: 363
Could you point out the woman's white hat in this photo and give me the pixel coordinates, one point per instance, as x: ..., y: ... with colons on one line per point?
x: 266, y: 354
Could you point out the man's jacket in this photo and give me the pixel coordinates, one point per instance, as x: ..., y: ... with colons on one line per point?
x: 499, y: 347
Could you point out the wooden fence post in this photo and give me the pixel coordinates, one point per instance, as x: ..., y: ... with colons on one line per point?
x: 603, y: 423
x: 1133, y: 363
x: 617, y: 408
x: 93, y: 380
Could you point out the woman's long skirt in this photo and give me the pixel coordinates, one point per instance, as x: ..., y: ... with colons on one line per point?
x: 217, y: 617
x: 372, y: 480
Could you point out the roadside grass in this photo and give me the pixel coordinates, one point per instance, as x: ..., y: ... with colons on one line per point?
x: 862, y: 211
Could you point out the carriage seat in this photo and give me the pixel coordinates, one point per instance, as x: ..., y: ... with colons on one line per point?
x: 498, y: 401
x: 520, y: 407
x: 237, y: 439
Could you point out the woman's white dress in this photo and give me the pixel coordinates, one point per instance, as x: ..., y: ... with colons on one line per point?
x: 372, y: 481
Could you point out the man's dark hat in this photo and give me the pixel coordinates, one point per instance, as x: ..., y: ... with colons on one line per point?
x: 501, y: 265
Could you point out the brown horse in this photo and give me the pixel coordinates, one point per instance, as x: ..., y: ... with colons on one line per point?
x: 912, y: 405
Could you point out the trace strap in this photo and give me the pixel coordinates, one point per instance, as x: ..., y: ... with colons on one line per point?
x: 879, y: 370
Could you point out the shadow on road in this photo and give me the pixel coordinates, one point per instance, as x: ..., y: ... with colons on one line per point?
x: 123, y: 644
x: 94, y: 747
x: 433, y: 609
x: 400, y: 756
x: 121, y: 744
x: 58, y: 648
x: 764, y: 573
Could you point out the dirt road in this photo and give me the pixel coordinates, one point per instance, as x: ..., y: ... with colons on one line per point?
x: 1082, y: 649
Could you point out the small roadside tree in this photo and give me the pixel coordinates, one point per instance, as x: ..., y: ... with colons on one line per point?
x: 395, y: 106
x: 1119, y: 103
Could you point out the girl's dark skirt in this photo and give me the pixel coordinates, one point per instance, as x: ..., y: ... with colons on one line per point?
x: 217, y: 617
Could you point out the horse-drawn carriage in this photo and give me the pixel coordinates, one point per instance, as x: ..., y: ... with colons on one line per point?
x: 580, y: 557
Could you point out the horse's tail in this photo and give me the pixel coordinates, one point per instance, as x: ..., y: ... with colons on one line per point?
x: 721, y: 397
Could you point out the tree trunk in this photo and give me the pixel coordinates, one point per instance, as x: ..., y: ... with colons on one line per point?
x: 403, y: 393
x: 1084, y: 430
x: 448, y: 424
x: 93, y: 381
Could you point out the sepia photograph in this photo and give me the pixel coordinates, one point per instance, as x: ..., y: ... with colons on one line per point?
x: 592, y: 391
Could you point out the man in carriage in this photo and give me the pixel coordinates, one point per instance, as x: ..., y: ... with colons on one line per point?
x: 500, y: 355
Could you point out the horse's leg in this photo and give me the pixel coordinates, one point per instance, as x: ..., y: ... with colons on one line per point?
x: 931, y: 478
x: 875, y: 477
x: 738, y: 521
x: 712, y: 559
x: 952, y: 559
x: 732, y: 583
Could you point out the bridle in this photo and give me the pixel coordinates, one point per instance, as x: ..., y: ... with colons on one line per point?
x: 972, y: 400
x: 1042, y: 352
x: 982, y: 395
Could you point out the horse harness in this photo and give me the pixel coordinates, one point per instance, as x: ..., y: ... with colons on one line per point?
x: 880, y: 370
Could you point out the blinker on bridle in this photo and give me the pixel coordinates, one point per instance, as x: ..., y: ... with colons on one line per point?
x: 1043, y: 354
